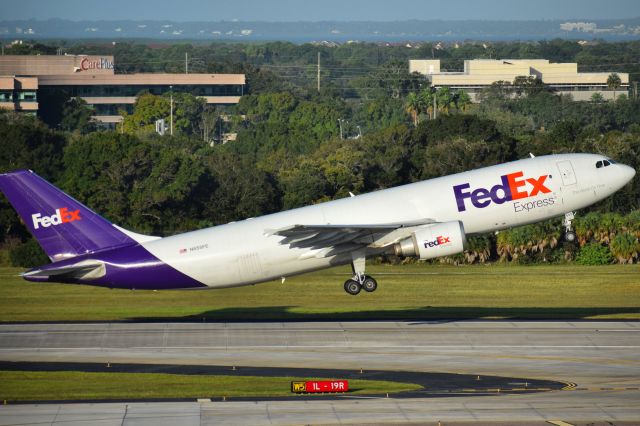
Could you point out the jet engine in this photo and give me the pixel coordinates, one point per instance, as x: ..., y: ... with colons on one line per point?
x: 440, y: 239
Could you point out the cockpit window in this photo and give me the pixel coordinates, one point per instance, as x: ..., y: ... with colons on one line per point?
x: 612, y: 161
x: 604, y: 163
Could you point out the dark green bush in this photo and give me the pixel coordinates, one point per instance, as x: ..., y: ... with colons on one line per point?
x: 594, y: 254
x: 28, y: 255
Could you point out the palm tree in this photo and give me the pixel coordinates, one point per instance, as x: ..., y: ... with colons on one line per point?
x: 426, y: 101
x: 444, y: 99
x: 625, y: 247
x: 527, y: 240
x: 613, y: 82
x: 413, y: 107
x: 598, y: 227
x: 479, y: 249
x: 462, y: 100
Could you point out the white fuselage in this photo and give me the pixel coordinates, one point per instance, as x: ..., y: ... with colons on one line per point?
x: 244, y: 252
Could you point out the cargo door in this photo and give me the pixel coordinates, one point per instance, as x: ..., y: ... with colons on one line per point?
x: 566, y: 172
x: 250, y: 267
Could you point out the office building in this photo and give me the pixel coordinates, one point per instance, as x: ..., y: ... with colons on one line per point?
x: 562, y: 78
x: 24, y: 78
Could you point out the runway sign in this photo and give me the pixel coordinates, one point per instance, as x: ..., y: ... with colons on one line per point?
x: 320, y: 386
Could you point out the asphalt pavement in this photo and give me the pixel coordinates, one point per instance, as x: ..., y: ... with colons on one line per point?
x: 597, y: 361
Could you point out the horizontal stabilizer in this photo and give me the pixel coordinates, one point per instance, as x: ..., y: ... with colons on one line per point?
x: 82, y: 270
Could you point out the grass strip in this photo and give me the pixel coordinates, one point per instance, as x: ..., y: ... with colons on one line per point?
x: 73, y: 385
x: 414, y: 291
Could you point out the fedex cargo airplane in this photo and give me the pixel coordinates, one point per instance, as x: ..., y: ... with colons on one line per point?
x: 424, y: 219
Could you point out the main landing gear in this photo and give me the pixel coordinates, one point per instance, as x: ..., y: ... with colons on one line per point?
x: 569, y: 234
x: 354, y: 285
x: 359, y: 281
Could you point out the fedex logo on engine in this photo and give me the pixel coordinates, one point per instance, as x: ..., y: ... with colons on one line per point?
x: 63, y: 215
x: 512, y: 187
x: 440, y: 240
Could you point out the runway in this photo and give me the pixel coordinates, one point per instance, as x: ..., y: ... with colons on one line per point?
x: 600, y: 358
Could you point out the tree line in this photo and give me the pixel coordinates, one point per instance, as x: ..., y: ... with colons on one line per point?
x: 296, y: 147
x: 351, y: 70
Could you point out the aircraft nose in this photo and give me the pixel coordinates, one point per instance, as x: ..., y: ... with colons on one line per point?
x: 628, y: 173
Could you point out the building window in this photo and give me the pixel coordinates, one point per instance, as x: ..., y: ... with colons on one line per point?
x: 6, y: 96
x: 27, y: 96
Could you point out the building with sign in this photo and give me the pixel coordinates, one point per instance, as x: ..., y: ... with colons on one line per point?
x: 479, y: 74
x: 25, y: 79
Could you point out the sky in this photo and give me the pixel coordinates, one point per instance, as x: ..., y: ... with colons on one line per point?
x: 318, y: 10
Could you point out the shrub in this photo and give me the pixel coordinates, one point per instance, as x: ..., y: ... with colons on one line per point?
x: 28, y: 255
x: 594, y: 254
x: 625, y: 247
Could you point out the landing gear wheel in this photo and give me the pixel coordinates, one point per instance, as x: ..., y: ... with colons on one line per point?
x: 352, y: 287
x: 570, y: 236
x: 369, y: 284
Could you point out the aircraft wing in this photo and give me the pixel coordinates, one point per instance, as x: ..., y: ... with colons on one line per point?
x: 329, y: 236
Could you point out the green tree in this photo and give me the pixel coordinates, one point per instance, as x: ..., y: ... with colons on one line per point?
x: 498, y: 93
x: 51, y: 102
x: 379, y: 114
x: 148, y: 185
x: 28, y: 255
x: 342, y: 168
x: 461, y: 99
x: 315, y: 120
x: 233, y: 188
x: 425, y: 101
x: 27, y: 144
x: 455, y: 143
x: 272, y: 107
x: 597, y: 98
x: 303, y: 184
x: 613, y: 83
x: 147, y: 109
x: 412, y: 106
x: 389, y: 80
x: 528, y: 85
x: 444, y: 99
x: 188, y: 110
x: 77, y: 116
x: 385, y: 157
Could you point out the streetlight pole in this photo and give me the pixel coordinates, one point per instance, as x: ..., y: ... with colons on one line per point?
x: 171, y: 109
x: 435, y: 105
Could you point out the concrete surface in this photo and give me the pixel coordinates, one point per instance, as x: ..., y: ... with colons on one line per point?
x: 600, y: 358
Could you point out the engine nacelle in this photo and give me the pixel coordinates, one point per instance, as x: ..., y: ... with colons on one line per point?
x: 440, y: 239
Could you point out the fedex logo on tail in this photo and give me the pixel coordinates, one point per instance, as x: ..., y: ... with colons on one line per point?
x: 63, y: 215
x: 512, y: 187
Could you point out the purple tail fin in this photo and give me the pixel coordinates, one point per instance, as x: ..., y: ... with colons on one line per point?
x: 63, y: 226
